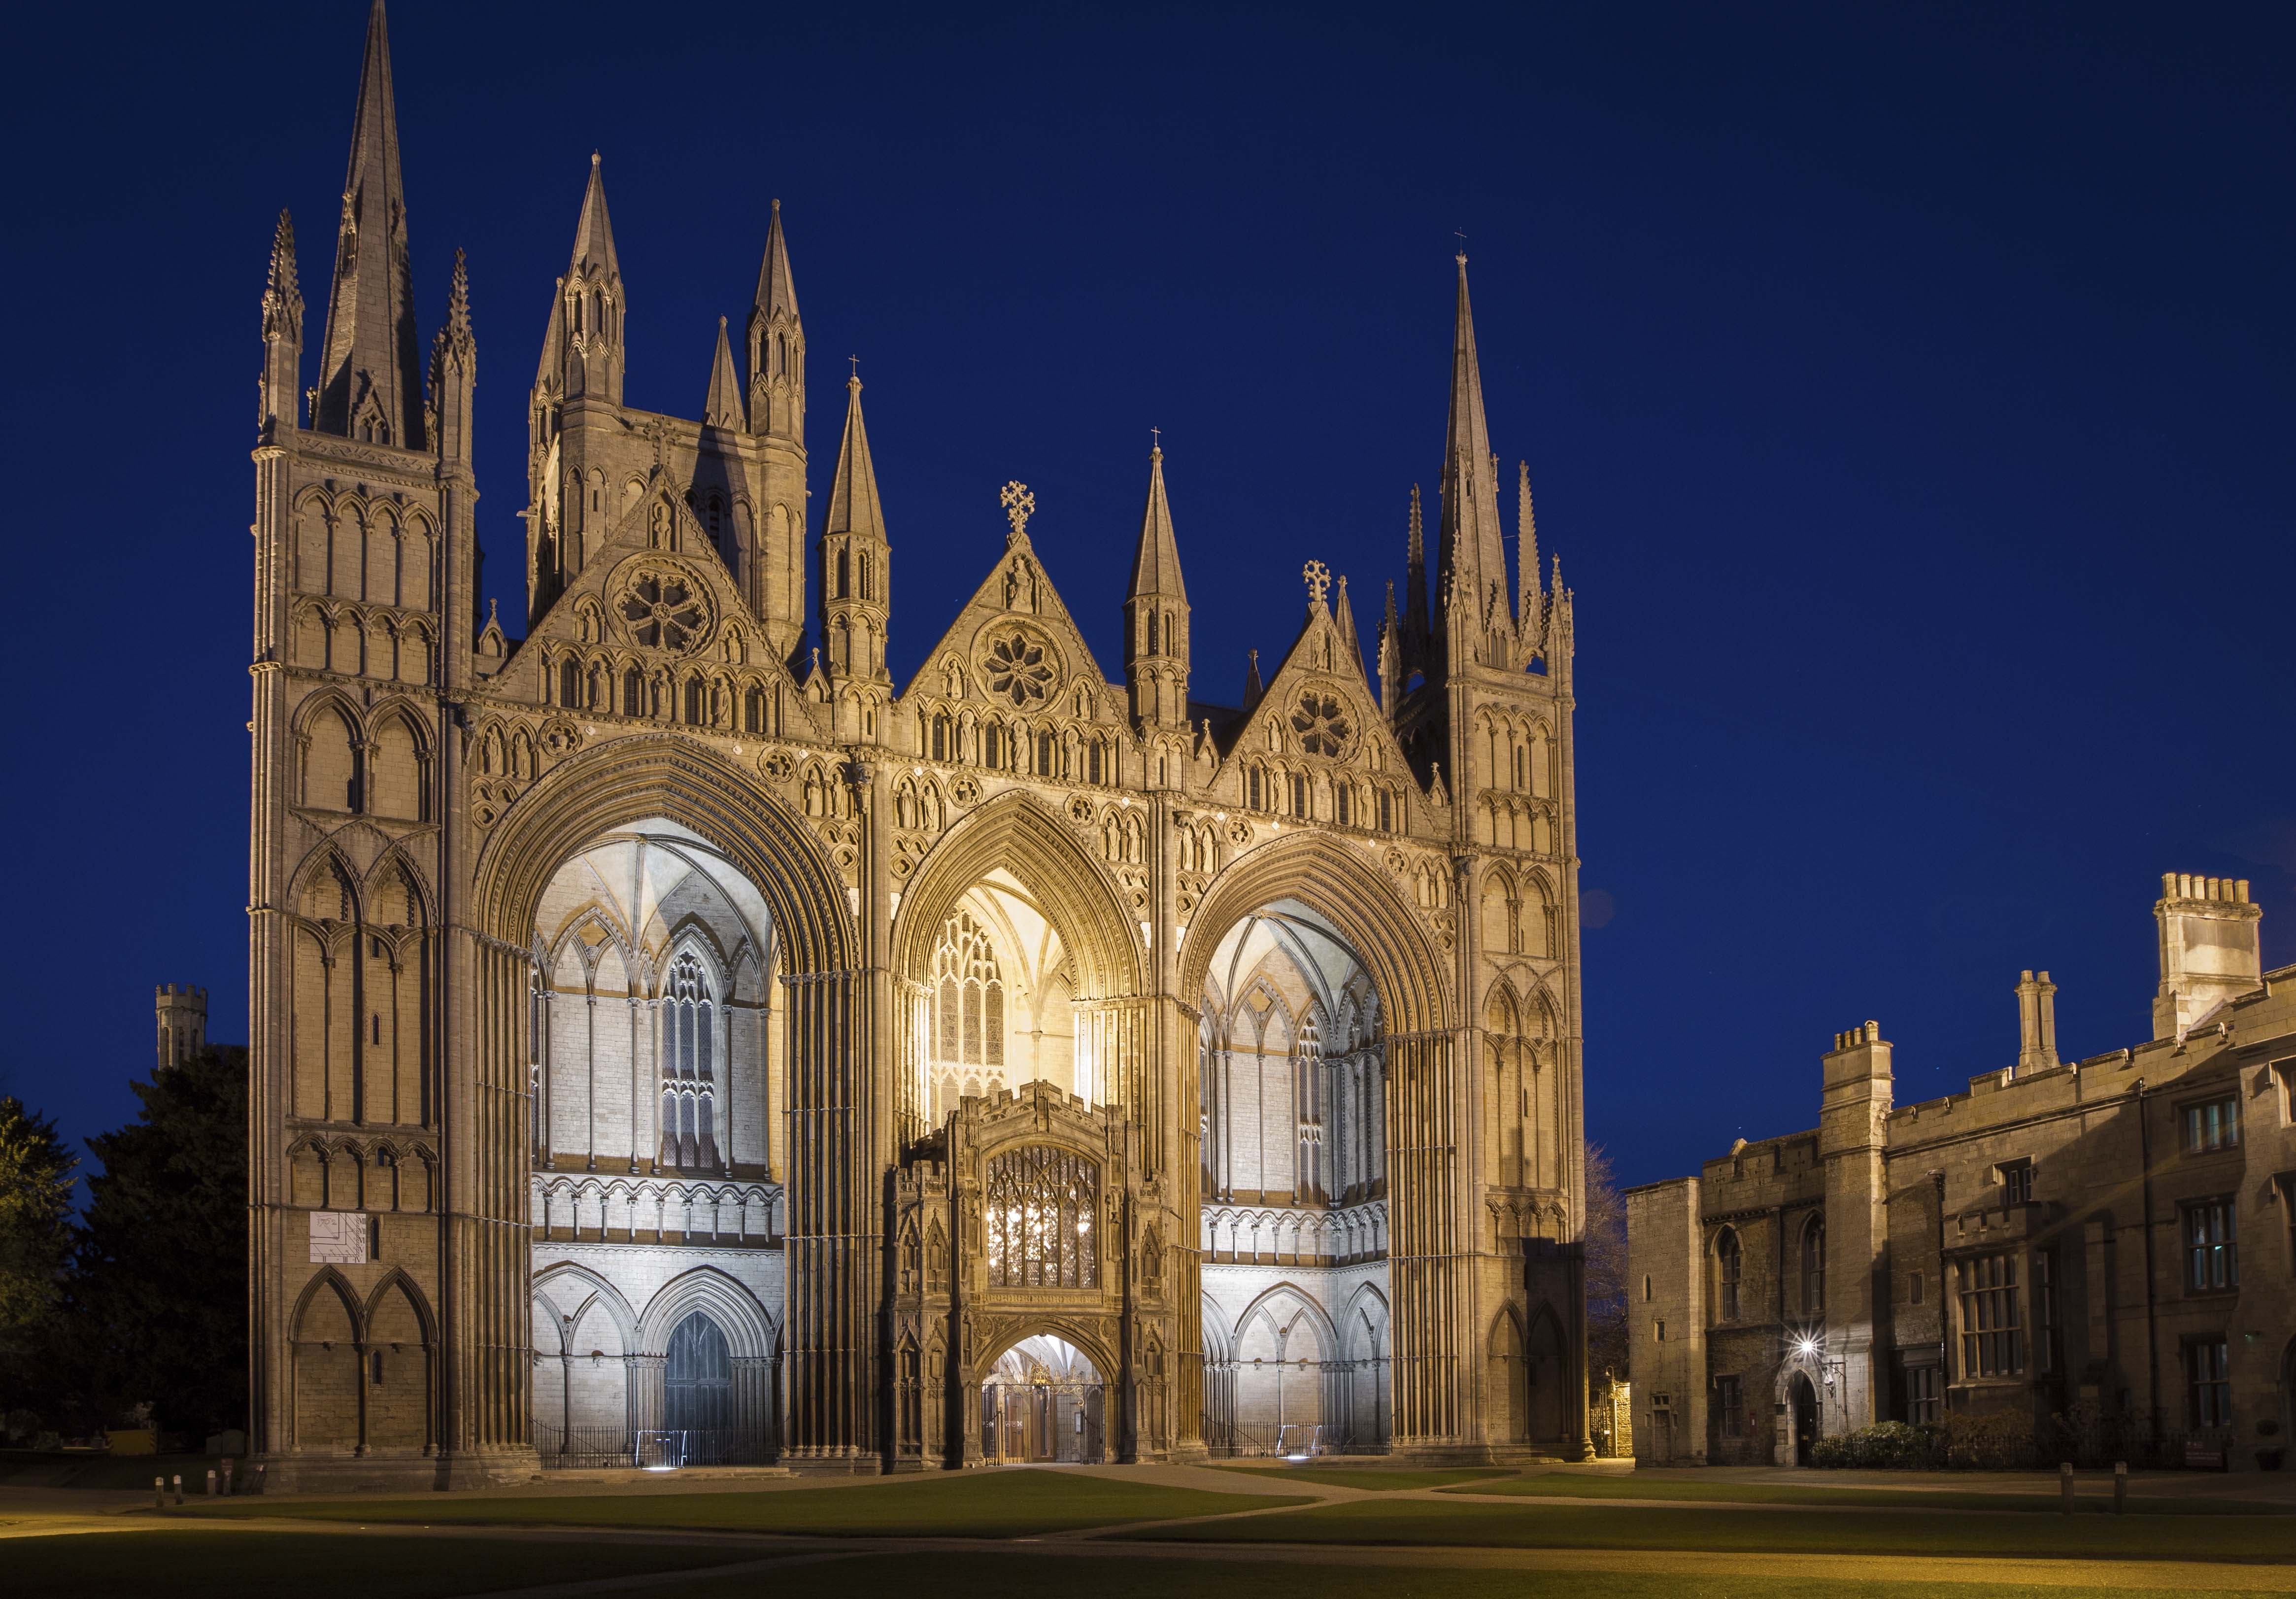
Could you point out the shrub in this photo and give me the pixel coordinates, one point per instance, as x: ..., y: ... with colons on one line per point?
x: 1891, y: 1446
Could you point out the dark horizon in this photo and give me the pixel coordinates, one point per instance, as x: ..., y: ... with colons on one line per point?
x: 1907, y: 396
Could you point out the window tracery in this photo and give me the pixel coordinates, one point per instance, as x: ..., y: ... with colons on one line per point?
x: 968, y: 1005
x: 1042, y: 1201
x: 688, y: 1017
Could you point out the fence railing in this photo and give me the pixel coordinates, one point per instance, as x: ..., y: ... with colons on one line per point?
x: 583, y: 1448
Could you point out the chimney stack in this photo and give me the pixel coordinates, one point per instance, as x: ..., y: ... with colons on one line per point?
x: 2210, y: 951
x: 2036, y: 1023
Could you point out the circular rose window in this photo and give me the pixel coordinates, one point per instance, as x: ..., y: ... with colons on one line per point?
x: 1321, y: 721
x: 665, y: 610
x: 1020, y: 670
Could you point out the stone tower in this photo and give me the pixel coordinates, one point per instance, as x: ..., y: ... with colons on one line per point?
x: 664, y: 1022
x: 183, y: 1015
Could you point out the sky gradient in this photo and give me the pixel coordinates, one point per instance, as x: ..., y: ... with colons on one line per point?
x: 1908, y: 392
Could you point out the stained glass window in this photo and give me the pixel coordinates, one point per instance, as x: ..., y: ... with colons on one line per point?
x: 1042, y: 1201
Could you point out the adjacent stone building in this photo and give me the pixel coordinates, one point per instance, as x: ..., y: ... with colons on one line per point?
x: 674, y: 1038
x: 2112, y: 1241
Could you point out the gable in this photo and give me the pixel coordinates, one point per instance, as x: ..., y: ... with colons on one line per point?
x: 1016, y: 648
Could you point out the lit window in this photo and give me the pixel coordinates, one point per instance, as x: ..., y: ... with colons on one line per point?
x: 1041, y: 1202
x: 689, y: 1138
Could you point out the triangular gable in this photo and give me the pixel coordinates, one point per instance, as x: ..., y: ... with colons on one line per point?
x: 983, y: 655
x: 616, y: 606
x: 1321, y: 667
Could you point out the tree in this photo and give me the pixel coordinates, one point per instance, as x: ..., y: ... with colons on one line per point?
x: 36, y: 1240
x: 159, y: 1292
x: 1606, y: 1271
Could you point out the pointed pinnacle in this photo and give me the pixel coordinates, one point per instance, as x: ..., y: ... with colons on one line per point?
x: 1156, y: 563
x: 458, y: 297
x: 853, y: 504
x: 282, y: 256
x: 722, y: 406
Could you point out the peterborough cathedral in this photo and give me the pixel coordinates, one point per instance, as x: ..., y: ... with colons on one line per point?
x: 674, y: 1040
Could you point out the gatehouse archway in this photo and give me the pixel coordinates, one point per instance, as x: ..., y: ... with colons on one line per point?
x: 1044, y: 1400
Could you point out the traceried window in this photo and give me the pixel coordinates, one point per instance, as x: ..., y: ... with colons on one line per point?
x: 968, y: 1006
x: 1812, y: 1266
x: 1730, y: 1261
x: 1992, y: 1329
x: 689, y: 1134
x: 1042, y: 1204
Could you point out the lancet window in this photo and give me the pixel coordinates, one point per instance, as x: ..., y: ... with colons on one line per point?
x: 688, y: 1016
x: 1041, y: 1204
x: 968, y: 1006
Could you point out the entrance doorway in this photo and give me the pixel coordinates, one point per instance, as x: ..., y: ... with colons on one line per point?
x: 1803, y: 1399
x: 1044, y: 1400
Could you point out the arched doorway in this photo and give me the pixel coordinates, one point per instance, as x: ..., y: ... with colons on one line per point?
x: 1044, y: 1400
x: 698, y: 1380
x: 1544, y: 1369
x: 1802, y: 1399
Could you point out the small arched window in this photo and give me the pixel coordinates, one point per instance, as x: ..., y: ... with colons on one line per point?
x: 844, y: 573
x: 940, y: 738
x: 569, y: 682
x: 1729, y: 1264
x: 633, y: 693
x: 1812, y: 1266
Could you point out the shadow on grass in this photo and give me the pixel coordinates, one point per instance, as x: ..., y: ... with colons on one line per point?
x: 1565, y: 1485
x: 1374, y: 1478
x: 1532, y: 1525
x: 1018, y: 1575
x: 1002, y: 1504
x: 223, y: 1563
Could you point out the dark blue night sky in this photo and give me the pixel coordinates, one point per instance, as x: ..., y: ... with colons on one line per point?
x: 1907, y: 392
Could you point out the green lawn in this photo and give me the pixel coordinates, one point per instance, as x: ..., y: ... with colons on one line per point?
x: 1376, y: 1477
x: 1019, y: 1575
x: 226, y: 1563
x: 1569, y: 1485
x: 1546, y: 1526
x: 965, y: 1504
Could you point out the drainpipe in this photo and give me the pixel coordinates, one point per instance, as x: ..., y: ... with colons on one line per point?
x: 1944, y: 1301
x: 2151, y: 1295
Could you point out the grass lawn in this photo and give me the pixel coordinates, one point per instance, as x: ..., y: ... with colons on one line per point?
x: 1538, y: 1526
x: 1018, y: 1576
x: 226, y: 1563
x: 1376, y: 1477
x: 1566, y: 1485
x: 964, y: 1504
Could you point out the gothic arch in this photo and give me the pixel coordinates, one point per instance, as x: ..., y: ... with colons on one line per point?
x: 377, y: 1302
x: 1327, y: 1336
x: 1092, y: 1346
x: 1334, y: 879
x: 631, y: 779
x: 330, y: 1281
x: 1082, y: 904
x: 749, y: 1328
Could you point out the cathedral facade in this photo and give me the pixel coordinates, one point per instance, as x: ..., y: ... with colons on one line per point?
x: 675, y: 1039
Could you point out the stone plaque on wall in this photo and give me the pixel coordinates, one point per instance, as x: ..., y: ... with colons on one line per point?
x: 339, y: 1238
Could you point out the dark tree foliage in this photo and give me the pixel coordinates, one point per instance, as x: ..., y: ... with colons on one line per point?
x: 158, y: 1296
x: 35, y: 1245
x: 1606, y: 1271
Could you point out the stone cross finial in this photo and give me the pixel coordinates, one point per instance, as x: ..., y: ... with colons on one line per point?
x: 1019, y: 505
x: 1319, y: 580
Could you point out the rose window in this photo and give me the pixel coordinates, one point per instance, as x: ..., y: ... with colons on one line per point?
x: 1321, y: 724
x: 664, y: 612
x: 1019, y: 672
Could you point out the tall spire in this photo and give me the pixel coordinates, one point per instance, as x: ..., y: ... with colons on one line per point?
x: 369, y: 382
x: 1156, y: 563
x: 1526, y: 546
x: 1156, y: 613
x: 280, y: 405
x: 853, y: 507
x: 454, y: 370
x: 1471, y: 556
x: 855, y: 586
x: 776, y: 341
x: 583, y: 352
x: 722, y: 408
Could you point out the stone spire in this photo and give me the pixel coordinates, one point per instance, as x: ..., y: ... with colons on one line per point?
x: 1414, y: 582
x: 370, y: 385
x: 1472, y: 554
x: 281, y: 404
x: 1343, y: 613
x: 853, y: 555
x: 1526, y: 551
x: 1156, y: 613
x: 584, y: 349
x: 776, y: 340
x: 454, y: 370
x: 722, y: 408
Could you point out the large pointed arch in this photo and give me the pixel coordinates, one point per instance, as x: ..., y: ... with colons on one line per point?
x: 1103, y: 941
x: 665, y: 775
x: 1337, y: 882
